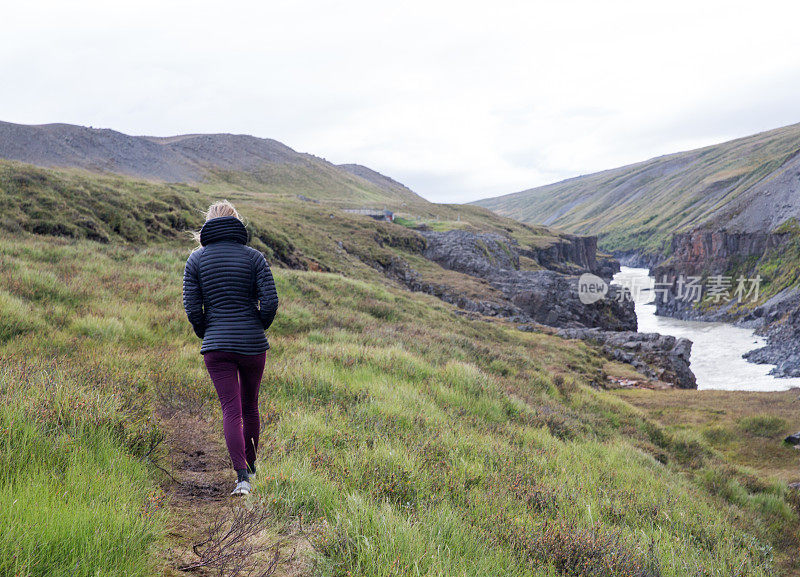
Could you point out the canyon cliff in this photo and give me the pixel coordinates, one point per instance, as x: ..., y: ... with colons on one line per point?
x: 703, y: 254
x: 548, y: 295
x: 766, y: 262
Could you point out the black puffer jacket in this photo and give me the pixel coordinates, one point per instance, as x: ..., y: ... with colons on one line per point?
x: 228, y: 291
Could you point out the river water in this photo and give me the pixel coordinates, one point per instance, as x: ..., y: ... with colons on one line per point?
x: 717, y: 348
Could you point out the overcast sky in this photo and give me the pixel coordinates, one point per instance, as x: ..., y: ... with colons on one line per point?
x: 459, y: 100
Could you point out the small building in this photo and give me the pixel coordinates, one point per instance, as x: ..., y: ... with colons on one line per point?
x: 386, y: 215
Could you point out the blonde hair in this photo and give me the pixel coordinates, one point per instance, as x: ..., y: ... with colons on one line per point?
x: 216, y: 210
x: 221, y: 208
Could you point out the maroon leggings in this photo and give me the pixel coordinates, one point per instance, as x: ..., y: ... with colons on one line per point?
x: 237, y: 379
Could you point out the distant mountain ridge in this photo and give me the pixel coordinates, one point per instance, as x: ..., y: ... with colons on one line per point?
x: 232, y: 158
x: 176, y: 158
x: 750, y: 185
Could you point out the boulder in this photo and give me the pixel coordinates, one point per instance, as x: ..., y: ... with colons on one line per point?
x: 661, y: 357
x: 793, y: 439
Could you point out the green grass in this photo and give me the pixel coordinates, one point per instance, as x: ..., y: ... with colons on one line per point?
x: 76, y: 505
x: 74, y: 497
x: 763, y: 425
x: 424, y: 443
x: 76, y: 204
x: 413, y: 440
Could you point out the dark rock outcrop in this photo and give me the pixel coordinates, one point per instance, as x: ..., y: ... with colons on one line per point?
x: 545, y: 296
x: 702, y: 253
x: 607, y: 266
x: 656, y: 356
x: 552, y: 299
x: 714, y: 251
x: 567, y: 253
x: 399, y: 270
x: 480, y: 254
x: 793, y: 439
x: 783, y: 341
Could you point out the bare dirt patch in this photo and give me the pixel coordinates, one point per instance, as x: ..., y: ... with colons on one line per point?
x: 211, y: 532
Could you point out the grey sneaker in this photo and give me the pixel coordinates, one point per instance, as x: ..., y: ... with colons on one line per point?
x: 242, y: 488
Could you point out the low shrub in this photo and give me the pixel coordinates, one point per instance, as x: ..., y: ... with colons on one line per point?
x: 763, y: 425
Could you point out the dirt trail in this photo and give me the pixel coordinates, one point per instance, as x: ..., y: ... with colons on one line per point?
x: 198, y: 497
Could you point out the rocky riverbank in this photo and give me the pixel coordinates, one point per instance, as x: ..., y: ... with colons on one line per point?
x: 779, y: 320
x: 549, y: 296
x: 660, y: 357
x: 539, y: 286
x: 704, y: 253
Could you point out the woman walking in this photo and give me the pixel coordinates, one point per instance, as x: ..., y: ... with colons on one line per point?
x: 229, y: 296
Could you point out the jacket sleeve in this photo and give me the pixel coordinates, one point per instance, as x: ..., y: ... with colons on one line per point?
x: 265, y: 289
x: 193, y: 296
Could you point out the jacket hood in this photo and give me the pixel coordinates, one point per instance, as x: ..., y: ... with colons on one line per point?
x: 223, y: 228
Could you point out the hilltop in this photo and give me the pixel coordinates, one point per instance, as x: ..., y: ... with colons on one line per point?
x: 748, y: 185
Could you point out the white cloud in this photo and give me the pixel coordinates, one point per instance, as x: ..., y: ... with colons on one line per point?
x: 459, y: 100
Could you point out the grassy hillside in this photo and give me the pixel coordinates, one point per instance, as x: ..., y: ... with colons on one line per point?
x: 748, y: 184
x: 222, y: 160
x: 318, y: 180
x: 78, y: 204
x: 399, y: 438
